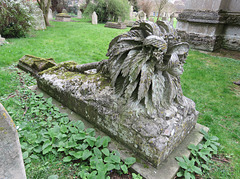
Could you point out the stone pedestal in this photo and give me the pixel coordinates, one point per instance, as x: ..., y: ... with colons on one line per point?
x: 50, y: 14
x: 63, y: 17
x: 79, y: 14
x: 11, y: 165
x: 210, y: 25
x: 2, y: 40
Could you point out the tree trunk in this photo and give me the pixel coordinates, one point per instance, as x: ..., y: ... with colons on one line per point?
x: 159, y: 10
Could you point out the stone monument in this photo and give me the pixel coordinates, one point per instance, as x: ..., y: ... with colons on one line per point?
x: 50, y: 14
x: 79, y: 14
x: 11, y: 165
x: 38, y: 22
x: 141, y: 15
x: 64, y: 11
x: 210, y: 25
x: 94, y: 18
x: 2, y: 40
x: 135, y: 96
x: 63, y: 17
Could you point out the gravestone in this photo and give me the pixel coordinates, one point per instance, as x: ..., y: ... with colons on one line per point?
x: 64, y: 11
x: 94, y: 18
x: 141, y: 15
x: 79, y: 14
x: 135, y: 96
x: 63, y: 17
x: 115, y: 25
x: 50, y: 14
x: 38, y: 22
x: 2, y: 40
x: 131, y: 12
x: 11, y: 165
x: 211, y: 25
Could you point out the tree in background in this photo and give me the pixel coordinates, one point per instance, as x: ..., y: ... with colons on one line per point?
x: 44, y: 6
x: 109, y: 9
x: 146, y: 6
x: 160, y: 5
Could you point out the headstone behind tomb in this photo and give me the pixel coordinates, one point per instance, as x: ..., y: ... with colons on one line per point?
x: 38, y: 22
x: 64, y: 11
x: 11, y: 164
x: 79, y: 14
x: 94, y: 18
x: 50, y: 14
x: 141, y: 15
x: 2, y: 40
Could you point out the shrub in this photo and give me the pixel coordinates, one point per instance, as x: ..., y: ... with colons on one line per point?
x: 15, y: 19
x: 109, y: 9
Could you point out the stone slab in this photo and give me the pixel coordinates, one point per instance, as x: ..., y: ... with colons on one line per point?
x: 115, y: 25
x: 11, y: 164
x: 167, y: 170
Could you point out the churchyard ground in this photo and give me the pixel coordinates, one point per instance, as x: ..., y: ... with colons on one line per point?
x: 207, y: 80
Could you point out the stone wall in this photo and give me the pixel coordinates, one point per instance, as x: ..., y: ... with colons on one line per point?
x: 209, y: 25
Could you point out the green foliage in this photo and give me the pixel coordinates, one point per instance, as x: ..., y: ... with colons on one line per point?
x: 15, y: 19
x: 201, y: 155
x: 109, y: 9
x: 44, y: 131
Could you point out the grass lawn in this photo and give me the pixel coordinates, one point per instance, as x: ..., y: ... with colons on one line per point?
x: 208, y: 80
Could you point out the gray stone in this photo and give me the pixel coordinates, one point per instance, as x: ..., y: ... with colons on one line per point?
x: 151, y: 19
x: 11, y: 165
x: 131, y: 13
x: 115, y: 25
x: 63, y: 17
x: 2, y: 40
x: 135, y: 96
x: 79, y: 14
x: 141, y: 15
x: 210, y: 25
x: 94, y: 18
x: 167, y: 170
x: 38, y: 22
x: 64, y: 11
x: 50, y: 14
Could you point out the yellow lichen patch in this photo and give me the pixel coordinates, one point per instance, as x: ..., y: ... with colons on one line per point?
x: 4, y: 114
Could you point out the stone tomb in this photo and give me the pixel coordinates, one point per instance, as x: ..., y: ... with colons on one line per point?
x: 115, y: 25
x: 63, y: 17
x: 2, y: 40
x: 135, y: 96
x: 11, y: 165
x: 94, y: 18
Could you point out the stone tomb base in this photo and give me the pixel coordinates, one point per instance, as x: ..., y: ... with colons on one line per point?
x: 115, y: 25
x: 91, y: 96
x: 168, y: 168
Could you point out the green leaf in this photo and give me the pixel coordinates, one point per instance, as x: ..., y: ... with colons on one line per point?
x: 46, y: 144
x: 25, y: 155
x: 64, y: 129
x: 106, y: 140
x: 204, y: 166
x: 34, y: 156
x: 130, y: 160
x: 107, y: 160
x: 67, y: 159
x: 79, y: 125
x: 73, y: 130
x: 47, y: 149
x: 90, y: 140
x: 78, y: 154
x: 180, y: 159
x: 124, y: 169
x: 79, y: 136
x: 86, y: 154
x: 38, y: 149
x: 97, y: 152
x: 110, y: 166
x: 197, y: 170
x: 187, y: 175
x: 179, y: 174
x: 90, y: 132
x: 105, y: 151
x: 115, y: 158
x: 192, y: 147
x: 183, y: 165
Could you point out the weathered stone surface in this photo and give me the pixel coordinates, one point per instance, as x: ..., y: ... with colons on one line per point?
x: 38, y: 22
x: 2, y: 40
x: 79, y: 14
x: 50, y: 14
x: 11, y: 165
x: 34, y: 64
x: 213, y: 21
x: 94, y: 18
x: 115, y: 25
x: 64, y: 11
x: 135, y: 96
x: 63, y: 17
x: 141, y: 15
